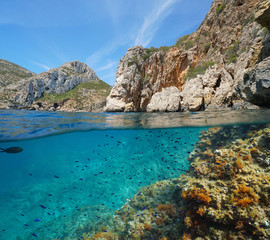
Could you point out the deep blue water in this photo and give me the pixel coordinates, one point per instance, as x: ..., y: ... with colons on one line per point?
x: 68, y: 178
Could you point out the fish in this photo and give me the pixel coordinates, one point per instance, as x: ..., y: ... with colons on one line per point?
x: 11, y: 150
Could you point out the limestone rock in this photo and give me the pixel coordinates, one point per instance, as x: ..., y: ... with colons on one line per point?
x: 255, y: 86
x: 128, y: 81
x: 56, y: 80
x: 168, y: 100
x: 193, y: 96
x: 228, y: 37
x: 214, y: 89
x: 140, y: 75
x: 114, y: 105
x: 263, y: 14
x: 88, y: 92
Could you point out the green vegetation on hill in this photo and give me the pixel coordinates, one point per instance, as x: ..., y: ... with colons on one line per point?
x: 151, y: 50
x: 220, y: 8
x: 12, y: 73
x: 181, y: 41
x: 193, y: 72
x: 99, y: 86
x: 231, y: 53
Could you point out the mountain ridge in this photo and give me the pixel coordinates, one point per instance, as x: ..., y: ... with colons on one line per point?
x: 25, y: 94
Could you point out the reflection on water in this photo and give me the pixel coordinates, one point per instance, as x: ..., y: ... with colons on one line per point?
x: 20, y: 124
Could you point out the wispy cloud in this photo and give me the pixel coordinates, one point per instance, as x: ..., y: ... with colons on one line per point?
x: 41, y: 65
x: 108, y: 66
x: 153, y: 21
x: 94, y: 60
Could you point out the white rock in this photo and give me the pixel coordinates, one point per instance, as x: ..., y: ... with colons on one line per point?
x: 168, y: 100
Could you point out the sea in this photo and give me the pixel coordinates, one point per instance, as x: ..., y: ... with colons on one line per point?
x: 60, y: 172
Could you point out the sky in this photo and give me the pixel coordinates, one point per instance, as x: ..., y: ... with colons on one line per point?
x: 43, y: 34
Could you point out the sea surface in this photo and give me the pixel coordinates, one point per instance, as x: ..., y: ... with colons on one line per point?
x: 76, y: 169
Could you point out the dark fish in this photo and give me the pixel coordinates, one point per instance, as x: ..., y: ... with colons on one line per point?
x: 11, y: 150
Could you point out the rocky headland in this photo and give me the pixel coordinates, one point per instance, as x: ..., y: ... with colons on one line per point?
x: 224, y: 64
x: 71, y: 87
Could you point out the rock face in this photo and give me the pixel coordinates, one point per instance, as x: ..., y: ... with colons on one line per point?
x: 57, y: 80
x: 168, y: 100
x: 263, y: 14
x: 255, y: 86
x: 206, y: 66
x: 51, y: 90
x: 211, y: 90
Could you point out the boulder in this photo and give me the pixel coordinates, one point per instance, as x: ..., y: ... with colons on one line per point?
x: 255, y: 86
x: 168, y: 100
x: 193, y: 95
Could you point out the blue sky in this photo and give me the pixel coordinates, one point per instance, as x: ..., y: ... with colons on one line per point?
x: 44, y: 34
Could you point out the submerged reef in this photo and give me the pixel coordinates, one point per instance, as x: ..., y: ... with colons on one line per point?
x: 225, y: 194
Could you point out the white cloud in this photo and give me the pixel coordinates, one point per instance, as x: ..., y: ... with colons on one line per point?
x: 42, y: 65
x: 152, y: 22
x: 93, y: 60
x: 110, y: 65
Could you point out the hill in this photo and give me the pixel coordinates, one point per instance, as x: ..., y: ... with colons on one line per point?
x: 71, y: 87
x: 11, y: 73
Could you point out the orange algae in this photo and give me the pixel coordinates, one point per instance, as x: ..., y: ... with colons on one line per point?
x: 105, y: 235
x: 168, y: 208
x: 186, y: 236
x: 147, y: 227
x: 198, y: 194
x: 239, y: 163
x: 200, y: 211
x: 164, y: 238
x: 159, y: 221
x: 245, y: 196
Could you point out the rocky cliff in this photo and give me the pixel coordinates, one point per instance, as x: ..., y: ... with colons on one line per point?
x: 71, y: 87
x: 224, y: 64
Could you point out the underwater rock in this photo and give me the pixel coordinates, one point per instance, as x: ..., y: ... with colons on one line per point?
x: 225, y: 195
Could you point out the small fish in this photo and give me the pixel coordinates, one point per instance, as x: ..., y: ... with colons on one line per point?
x: 42, y: 206
x: 11, y: 150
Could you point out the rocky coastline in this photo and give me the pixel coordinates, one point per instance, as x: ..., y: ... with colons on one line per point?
x: 223, y: 65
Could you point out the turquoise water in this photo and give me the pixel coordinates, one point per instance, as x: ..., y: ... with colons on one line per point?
x: 75, y: 170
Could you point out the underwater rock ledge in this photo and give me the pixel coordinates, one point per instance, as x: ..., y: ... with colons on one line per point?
x: 225, y: 194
